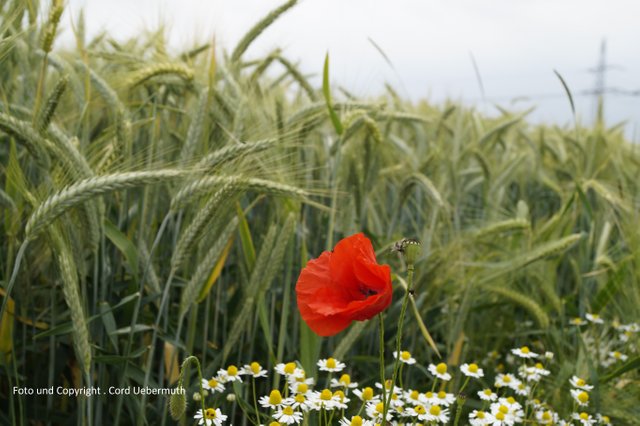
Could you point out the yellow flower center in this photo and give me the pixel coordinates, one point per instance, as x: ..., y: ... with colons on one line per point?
x: 405, y: 355
x: 232, y: 370
x: 595, y: 316
x: 583, y: 397
x: 303, y: 388
x: 606, y: 420
x: 388, y: 383
x: 525, y: 350
x: 394, y: 397
x: 212, y: 383
x: 287, y: 410
x: 345, y: 379
x: 434, y: 410
x: 584, y: 416
x: 255, y: 367
x: 274, y: 424
x: 511, y: 400
x: 300, y: 398
x: 442, y: 394
x: 488, y: 392
x: 275, y: 397
x: 331, y: 363
x: 414, y: 394
x: 367, y: 394
x: 210, y: 413
x: 340, y: 394
x: 539, y: 366
x: 546, y: 415
x: 580, y: 382
x: 441, y: 368
x: 420, y: 409
x: 380, y: 407
x: 506, y: 379
x: 428, y: 394
x: 617, y: 354
x: 290, y: 367
x: 356, y: 421
x: 480, y: 415
x: 503, y: 409
x: 326, y: 395
x: 473, y: 368
x: 500, y: 415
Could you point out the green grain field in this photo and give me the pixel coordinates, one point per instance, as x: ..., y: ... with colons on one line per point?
x: 159, y: 204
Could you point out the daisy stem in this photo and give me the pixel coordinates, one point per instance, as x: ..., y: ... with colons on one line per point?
x: 396, y: 366
x: 382, y: 380
x: 255, y: 401
x: 464, y: 385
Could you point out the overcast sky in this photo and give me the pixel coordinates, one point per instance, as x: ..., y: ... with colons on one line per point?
x: 516, y: 44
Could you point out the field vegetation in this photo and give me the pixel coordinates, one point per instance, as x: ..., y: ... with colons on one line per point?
x: 158, y: 204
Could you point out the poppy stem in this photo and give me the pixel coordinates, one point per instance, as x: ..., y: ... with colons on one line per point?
x: 382, y: 380
x: 396, y: 366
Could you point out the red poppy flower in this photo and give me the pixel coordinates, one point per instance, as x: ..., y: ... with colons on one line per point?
x: 344, y: 285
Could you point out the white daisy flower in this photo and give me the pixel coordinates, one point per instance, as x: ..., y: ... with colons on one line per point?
x: 412, y: 396
x: 405, y: 356
x: 524, y: 352
x: 478, y: 418
x: 286, y: 414
x: 440, y: 371
x: 505, y: 413
x: 577, y: 321
x: 472, y: 370
x: 508, y: 380
x: 326, y: 400
x: 594, y: 318
x: 617, y: 356
x: 584, y: 418
x: 579, y: 383
x: 375, y: 411
x: 435, y: 413
x: 511, y: 403
x: 355, y: 421
x: 366, y: 395
x: 387, y: 387
x: 231, y: 374
x: 330, y: 364
x: 534, y: 373
x: 288, y: 369
x: 419, y: 411
x: 546, y: 417
x: 487, y: 395
x: 522, y: 389
x: 274, y: 400
x: 445, y: 399
x: 299, y: 376
x: 301, y: 402
x: 605, y: 420
x: 299, y: 388
x: 580, y: 396
x: 342, y: 399
x: 625, y: 336
x: 343, y: 382
x: 213, y: 385
x: 211, y: 417
x: 254, y: 369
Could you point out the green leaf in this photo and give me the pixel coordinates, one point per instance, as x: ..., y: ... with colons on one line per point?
x: 630, y: 365
x: 124, y: 244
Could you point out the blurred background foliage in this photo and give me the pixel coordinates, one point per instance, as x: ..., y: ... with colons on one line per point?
x: 157, y: 204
